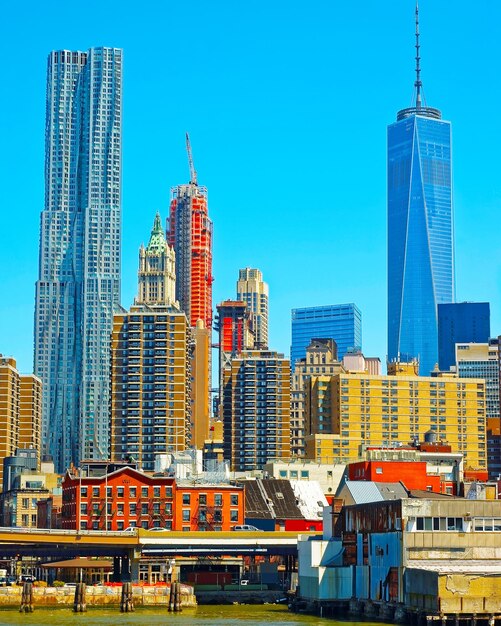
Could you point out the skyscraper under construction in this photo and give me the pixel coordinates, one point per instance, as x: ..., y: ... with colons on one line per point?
x: 190, y: 235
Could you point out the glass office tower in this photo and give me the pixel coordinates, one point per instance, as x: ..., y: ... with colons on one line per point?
x: 420, y: 229
x: 79, y: 261
x: 461, y: 322
x: 341, y: 322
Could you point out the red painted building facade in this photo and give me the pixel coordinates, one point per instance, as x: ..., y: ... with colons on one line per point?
x: 412, y: 474
x: 129, y: 498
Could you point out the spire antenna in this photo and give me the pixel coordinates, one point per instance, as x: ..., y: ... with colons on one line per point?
x: 193, y: 171
x: 418, y: 84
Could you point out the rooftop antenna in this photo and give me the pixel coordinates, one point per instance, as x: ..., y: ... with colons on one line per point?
x: 193, y: 171
x: 418, y: 84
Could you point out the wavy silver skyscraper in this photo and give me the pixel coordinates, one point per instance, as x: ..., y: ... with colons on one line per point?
x: 79, y: 264
x: 420, y: 229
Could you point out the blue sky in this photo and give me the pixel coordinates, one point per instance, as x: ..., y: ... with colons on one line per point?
x: 287, y: 105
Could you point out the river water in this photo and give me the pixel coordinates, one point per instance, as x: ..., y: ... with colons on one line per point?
x: 244, y: 615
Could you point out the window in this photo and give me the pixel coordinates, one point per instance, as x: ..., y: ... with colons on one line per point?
x: 233, y: 516
x: 120, y: 492
x: 83, y: 508
x: 144, y: 492
x: 168, y: 492
x: 83, y: 492
x: 487, y: 524
x: 120, y: 525
x: 120, y: 508
x: 186, y: 498
x: 26, y: 505
x: 156, y: 492
x: 132, y: 508
x: 305, y: 474
x: 440, y: 524
x: 218, y: 499
x: 132, y: 492
x: 186, y: 515
x: 144, y: 509
x: 95, y: 492
x: 234, y: 499
x: 202, y: 499
x: 109, y: 491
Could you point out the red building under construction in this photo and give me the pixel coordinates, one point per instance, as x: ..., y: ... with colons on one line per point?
x: 190, y: 234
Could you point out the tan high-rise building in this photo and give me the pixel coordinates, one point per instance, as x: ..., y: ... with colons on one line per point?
x: 20, y: 410
x: 256, y: 408
x: 157, y: 270
x: 321, y: 358
x: 349, y: 410
x: 152, y: 352
x: 200, y: 384
x: 254, y: 291
x: 30, y: 413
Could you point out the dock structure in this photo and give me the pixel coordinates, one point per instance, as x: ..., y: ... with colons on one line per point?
x: 417, y: 560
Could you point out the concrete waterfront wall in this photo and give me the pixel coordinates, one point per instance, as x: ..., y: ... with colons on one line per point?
x: 96, y: 596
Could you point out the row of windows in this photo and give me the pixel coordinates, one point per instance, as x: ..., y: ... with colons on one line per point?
x: 120, y: 492
x: 186, y: 498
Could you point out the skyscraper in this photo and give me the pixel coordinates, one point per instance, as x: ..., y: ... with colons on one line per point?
x: 79, y: 262
x: 321, y: 358
x: 483, y: 361
x: 420, y: 228
x: 256, y: 409
x: 20, y: 411
x: 151, y: 352
x: 157, y: 270
x: 190, y: 234
x: 252, y: 289
x: 461, y: 322
x: 341, y: 322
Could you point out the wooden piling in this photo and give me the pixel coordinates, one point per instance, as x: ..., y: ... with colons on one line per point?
x: 80, y: 603
x: 126, y: 604
x: 171, y: 597
x: 177, y: 598
x: 27, y: 598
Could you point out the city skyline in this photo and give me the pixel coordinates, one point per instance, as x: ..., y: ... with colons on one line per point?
x: 348, y: 232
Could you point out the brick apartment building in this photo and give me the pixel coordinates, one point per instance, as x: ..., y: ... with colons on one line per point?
x: 127, y: 498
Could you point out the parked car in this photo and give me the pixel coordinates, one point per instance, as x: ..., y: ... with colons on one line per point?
x: 245, y: 527
x: 159, y: 530
x: 27, y: 578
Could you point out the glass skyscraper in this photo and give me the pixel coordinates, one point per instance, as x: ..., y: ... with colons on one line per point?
x: 420, y: 230
x: 79, y: 261
x: 461, y: 322
x: 341, y: 322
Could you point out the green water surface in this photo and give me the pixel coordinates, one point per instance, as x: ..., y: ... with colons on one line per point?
x: 247, y: 615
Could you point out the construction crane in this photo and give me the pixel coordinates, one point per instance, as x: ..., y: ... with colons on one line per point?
x: 193, y: 171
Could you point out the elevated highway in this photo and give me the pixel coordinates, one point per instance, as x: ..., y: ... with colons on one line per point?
x: 133, y: 545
